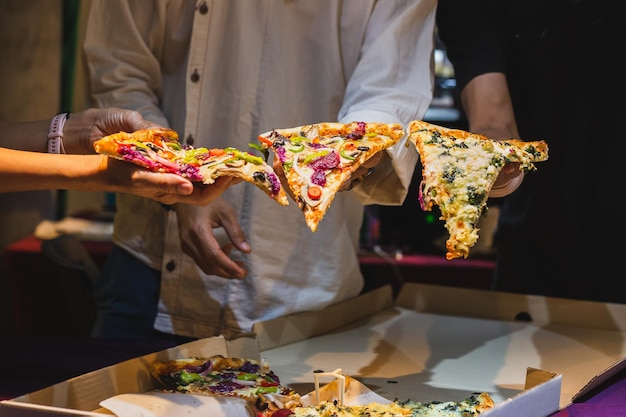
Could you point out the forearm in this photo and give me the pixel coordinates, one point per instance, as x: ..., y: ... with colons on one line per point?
x: 488, y: 106
x: 489, y: 111
x: 25, y: 136
x: 22, y: 171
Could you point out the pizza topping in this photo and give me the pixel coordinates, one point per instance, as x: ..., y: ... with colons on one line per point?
x: 221, y: 376
x: 325, y: 155
x: 158, y: 149
x: 314, y: 156
x: 458, y: 172
x: 314, y: 193
x: 256, y: 383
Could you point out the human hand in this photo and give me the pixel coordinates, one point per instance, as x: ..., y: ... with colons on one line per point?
x: 121, y: 176
x: 85, y: 127
x: 195, y: 226
x: 363, y: 171
x: 509, y: 179
x: 510, y: 176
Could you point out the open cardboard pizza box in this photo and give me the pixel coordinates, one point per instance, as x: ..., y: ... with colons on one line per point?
x: 432, y: 343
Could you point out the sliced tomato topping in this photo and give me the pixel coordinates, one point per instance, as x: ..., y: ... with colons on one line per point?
x: 265, y: 140
x: 314, y: 192
x: 216, y: 152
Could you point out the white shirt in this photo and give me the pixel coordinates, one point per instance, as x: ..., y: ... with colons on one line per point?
x: 225, y: 71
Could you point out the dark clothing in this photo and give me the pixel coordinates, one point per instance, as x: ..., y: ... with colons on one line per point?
x: 562, y: 232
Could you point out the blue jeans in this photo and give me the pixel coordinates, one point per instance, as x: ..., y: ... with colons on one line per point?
x: 127, y: 296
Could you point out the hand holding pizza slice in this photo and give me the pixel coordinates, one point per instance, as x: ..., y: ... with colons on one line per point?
x: 459, y: 170
x: 159, y: 150
x: 318, y: 160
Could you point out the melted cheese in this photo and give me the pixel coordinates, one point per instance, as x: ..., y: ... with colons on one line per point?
x: 458, y: 172
x: 304, y: 144
x: 470, y: 407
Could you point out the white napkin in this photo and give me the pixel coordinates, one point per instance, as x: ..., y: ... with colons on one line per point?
x: 81, y: 228
x: 160, y: 404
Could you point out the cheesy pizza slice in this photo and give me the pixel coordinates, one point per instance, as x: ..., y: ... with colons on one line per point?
x: 459, y: 170
x: 317, y: 159
x: 159, y: 150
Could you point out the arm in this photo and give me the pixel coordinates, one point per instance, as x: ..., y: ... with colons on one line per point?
x: 488, y: 106
x: 474, y: 39
x: 79, y: 132
x: 392, y: 83
x: 28, y: 171
x: 489, y: 111
x: 21, y: 170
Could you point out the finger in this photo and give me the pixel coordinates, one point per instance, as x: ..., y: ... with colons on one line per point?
x: 510, y: 168
x: 211, y: 258
x: 358, y: 177
x: 227, y: 267
x: 234, y: 231
x: 507, y: 173
x: 278, y: 170
x: 163, y: 182
x: 203, y: 194
x: 374, y: 160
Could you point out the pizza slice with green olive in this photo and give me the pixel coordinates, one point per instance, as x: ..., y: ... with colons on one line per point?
x: 317, y: 159
x: 159, y: 150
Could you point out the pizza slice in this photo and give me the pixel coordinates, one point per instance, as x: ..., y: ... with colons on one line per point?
x: 159, y: 150
x: 317, y: 159
x: 471, y: 406
x: 459, y: 169
x: 221, y: 376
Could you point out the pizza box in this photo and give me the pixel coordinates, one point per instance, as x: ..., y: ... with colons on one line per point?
x: 532, y: 354
x: 81, y: 396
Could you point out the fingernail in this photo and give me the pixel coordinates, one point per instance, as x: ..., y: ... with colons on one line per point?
x: 184, y: 188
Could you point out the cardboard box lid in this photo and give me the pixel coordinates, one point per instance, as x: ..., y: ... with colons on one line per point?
x: 450, y: 341
x: 600, y: 379
x: 467, y: 302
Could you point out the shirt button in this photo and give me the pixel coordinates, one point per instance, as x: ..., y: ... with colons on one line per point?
x: 195, y: 77
x: 171, y: 265
x: 204, y: 9
x: 189, y: 141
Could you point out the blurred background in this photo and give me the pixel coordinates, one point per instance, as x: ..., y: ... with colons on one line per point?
x: 41, y: 75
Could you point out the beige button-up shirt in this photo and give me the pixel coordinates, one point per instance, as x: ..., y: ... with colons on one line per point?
x: 221, y: 72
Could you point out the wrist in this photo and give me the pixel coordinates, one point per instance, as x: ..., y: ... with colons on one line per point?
x: 55, y: 133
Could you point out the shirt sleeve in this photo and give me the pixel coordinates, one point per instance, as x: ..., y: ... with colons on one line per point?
x: 392, y: 83
x: 472, y: 34
x: 122, y: 55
